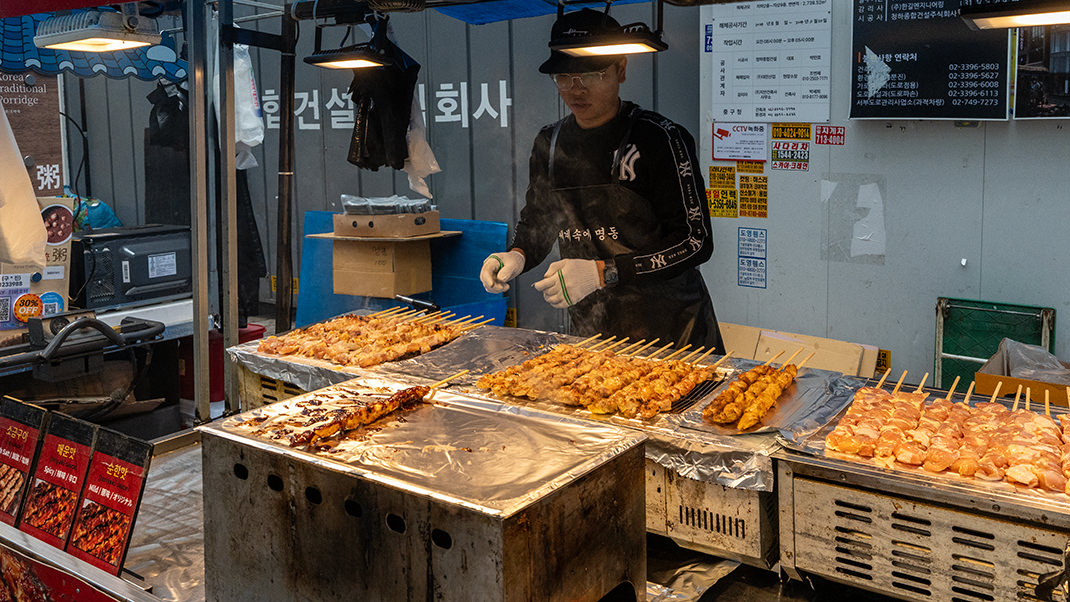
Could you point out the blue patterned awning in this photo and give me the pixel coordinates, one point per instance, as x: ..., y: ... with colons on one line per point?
x: 18, y: 55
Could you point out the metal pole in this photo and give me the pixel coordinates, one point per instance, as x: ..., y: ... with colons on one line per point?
x: 228, y: 278
x: 198, y: 48
x: 283, y: 257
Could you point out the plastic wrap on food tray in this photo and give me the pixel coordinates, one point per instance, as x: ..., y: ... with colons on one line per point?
x: 485, y: 349
x: 308, y: 374
x: 358, y: 205
x: 804, y: 406
x: 458, y: 449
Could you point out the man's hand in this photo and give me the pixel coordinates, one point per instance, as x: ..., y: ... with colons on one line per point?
x: 499, y: 269
x: 569, y: 280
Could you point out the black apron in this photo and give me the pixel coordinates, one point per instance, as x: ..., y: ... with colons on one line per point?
x: 607, y: 220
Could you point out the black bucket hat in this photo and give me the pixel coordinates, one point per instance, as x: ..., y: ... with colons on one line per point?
x: 580, y: 23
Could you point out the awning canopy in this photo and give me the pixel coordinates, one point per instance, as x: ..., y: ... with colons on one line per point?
x: 19, y: 55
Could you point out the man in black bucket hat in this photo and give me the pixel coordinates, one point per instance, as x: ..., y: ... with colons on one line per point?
x: 618, y: 189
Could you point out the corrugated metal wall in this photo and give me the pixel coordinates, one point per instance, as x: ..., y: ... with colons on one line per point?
x: 490, y: 69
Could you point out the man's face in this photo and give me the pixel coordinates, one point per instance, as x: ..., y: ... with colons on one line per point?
x: 597, y: 101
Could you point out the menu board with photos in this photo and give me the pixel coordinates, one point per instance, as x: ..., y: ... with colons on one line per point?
x: 58, y: 477
x: 110, y: 500
x: 919, y: 60
x: 20, y: 430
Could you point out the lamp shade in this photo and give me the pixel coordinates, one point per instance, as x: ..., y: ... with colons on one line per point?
x: 997, y: 14
x: 630, y: 39
x: 96, y: 31
x: 350, y: 57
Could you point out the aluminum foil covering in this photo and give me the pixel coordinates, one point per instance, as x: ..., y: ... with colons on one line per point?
x: 306, y: 373
x: 459, y: 453
x: 167, y: 544
x: 804, y: 405
x: 677, y: 574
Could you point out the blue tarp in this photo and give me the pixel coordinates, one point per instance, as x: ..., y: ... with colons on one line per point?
x: 18, y: 55
x: 455, y: 265
x: 480, y: 13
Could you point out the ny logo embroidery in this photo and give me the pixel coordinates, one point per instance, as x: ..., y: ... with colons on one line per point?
x: 658, y: 261
x: 685, y: 169
x: 627, y: 164
x: 694, y: 213
x: 696, y: 244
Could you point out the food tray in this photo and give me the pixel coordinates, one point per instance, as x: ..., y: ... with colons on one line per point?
x: 476, y: 456
x: 813, y: 444
x: 809, y: 403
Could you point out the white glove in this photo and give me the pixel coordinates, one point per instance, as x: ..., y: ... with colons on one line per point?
x: 499, y: 269
x: 569, y: 280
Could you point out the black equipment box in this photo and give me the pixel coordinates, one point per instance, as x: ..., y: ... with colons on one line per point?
x: 116, y: 266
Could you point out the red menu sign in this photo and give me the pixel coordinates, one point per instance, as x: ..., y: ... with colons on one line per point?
x: 110, y: 500
x: 33, y: 580
x: 61, y: 469
x: 20, y: 427
x: 17, y: 8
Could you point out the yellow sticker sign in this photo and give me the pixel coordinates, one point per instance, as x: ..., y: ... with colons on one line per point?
x: 28, y: 306
x: 750, y: 166
x: 723, y: 202
x: 722, y: 177
x: 884, y: 362
x: 753, y: 196
x: 791, y: 131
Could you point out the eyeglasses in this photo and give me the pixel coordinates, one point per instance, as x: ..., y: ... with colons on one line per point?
x: 565, y: 81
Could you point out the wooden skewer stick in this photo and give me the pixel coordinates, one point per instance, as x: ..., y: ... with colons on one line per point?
x: 643, y: 348
x: 692, y: 354
x: 703, y: 356
x: 629, y: 348
x: 802, y: 363
x: 618, y: 343
x: 11, y: 398
x: 791, y: 357
x: 588, y: 340
x: 723, y: 358
x: 952, y: 390
x: 969, y: 391
x: 405, y: 316
x: 1027, y: 398
x: 676, y: 353
x: 899, y: 383
x: 773, y: 359
x: 1047, y: 406
x: 1017, y: 395
x: 463, y: 320
x: 433, y: 316
x: 448, y: 379
x: 995, y: 394
x: 477, y: 324
x: 385, y: 312
x: 439, y: 320
x: 921, y: 385
x: 658, y: 352
x: 880, y: 383
x: 598, y: 344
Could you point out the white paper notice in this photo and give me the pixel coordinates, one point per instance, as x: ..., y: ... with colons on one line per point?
x: 772, y: 60
x: 869, y: 235
x: 740, y: 141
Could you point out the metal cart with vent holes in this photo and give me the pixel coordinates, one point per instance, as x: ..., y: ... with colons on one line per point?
x: 919, y: 538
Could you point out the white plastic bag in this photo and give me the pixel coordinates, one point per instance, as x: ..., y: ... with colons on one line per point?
x: 22, y: 232
x: 421, y: 161
x: 248, y: 117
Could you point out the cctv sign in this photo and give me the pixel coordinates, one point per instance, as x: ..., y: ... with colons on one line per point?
x: 740, y: 141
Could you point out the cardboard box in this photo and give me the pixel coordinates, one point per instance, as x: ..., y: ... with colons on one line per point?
x: 398, y: 225
x: 26, y: 292
x: 985, y: 384
x: 759, y: 344
x: 382, y: 266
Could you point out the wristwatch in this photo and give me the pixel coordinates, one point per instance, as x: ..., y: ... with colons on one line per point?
x: 609, y: 273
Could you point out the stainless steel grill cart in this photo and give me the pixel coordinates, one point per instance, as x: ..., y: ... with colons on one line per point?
x: 451, y: 501
x: 917, y: 537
